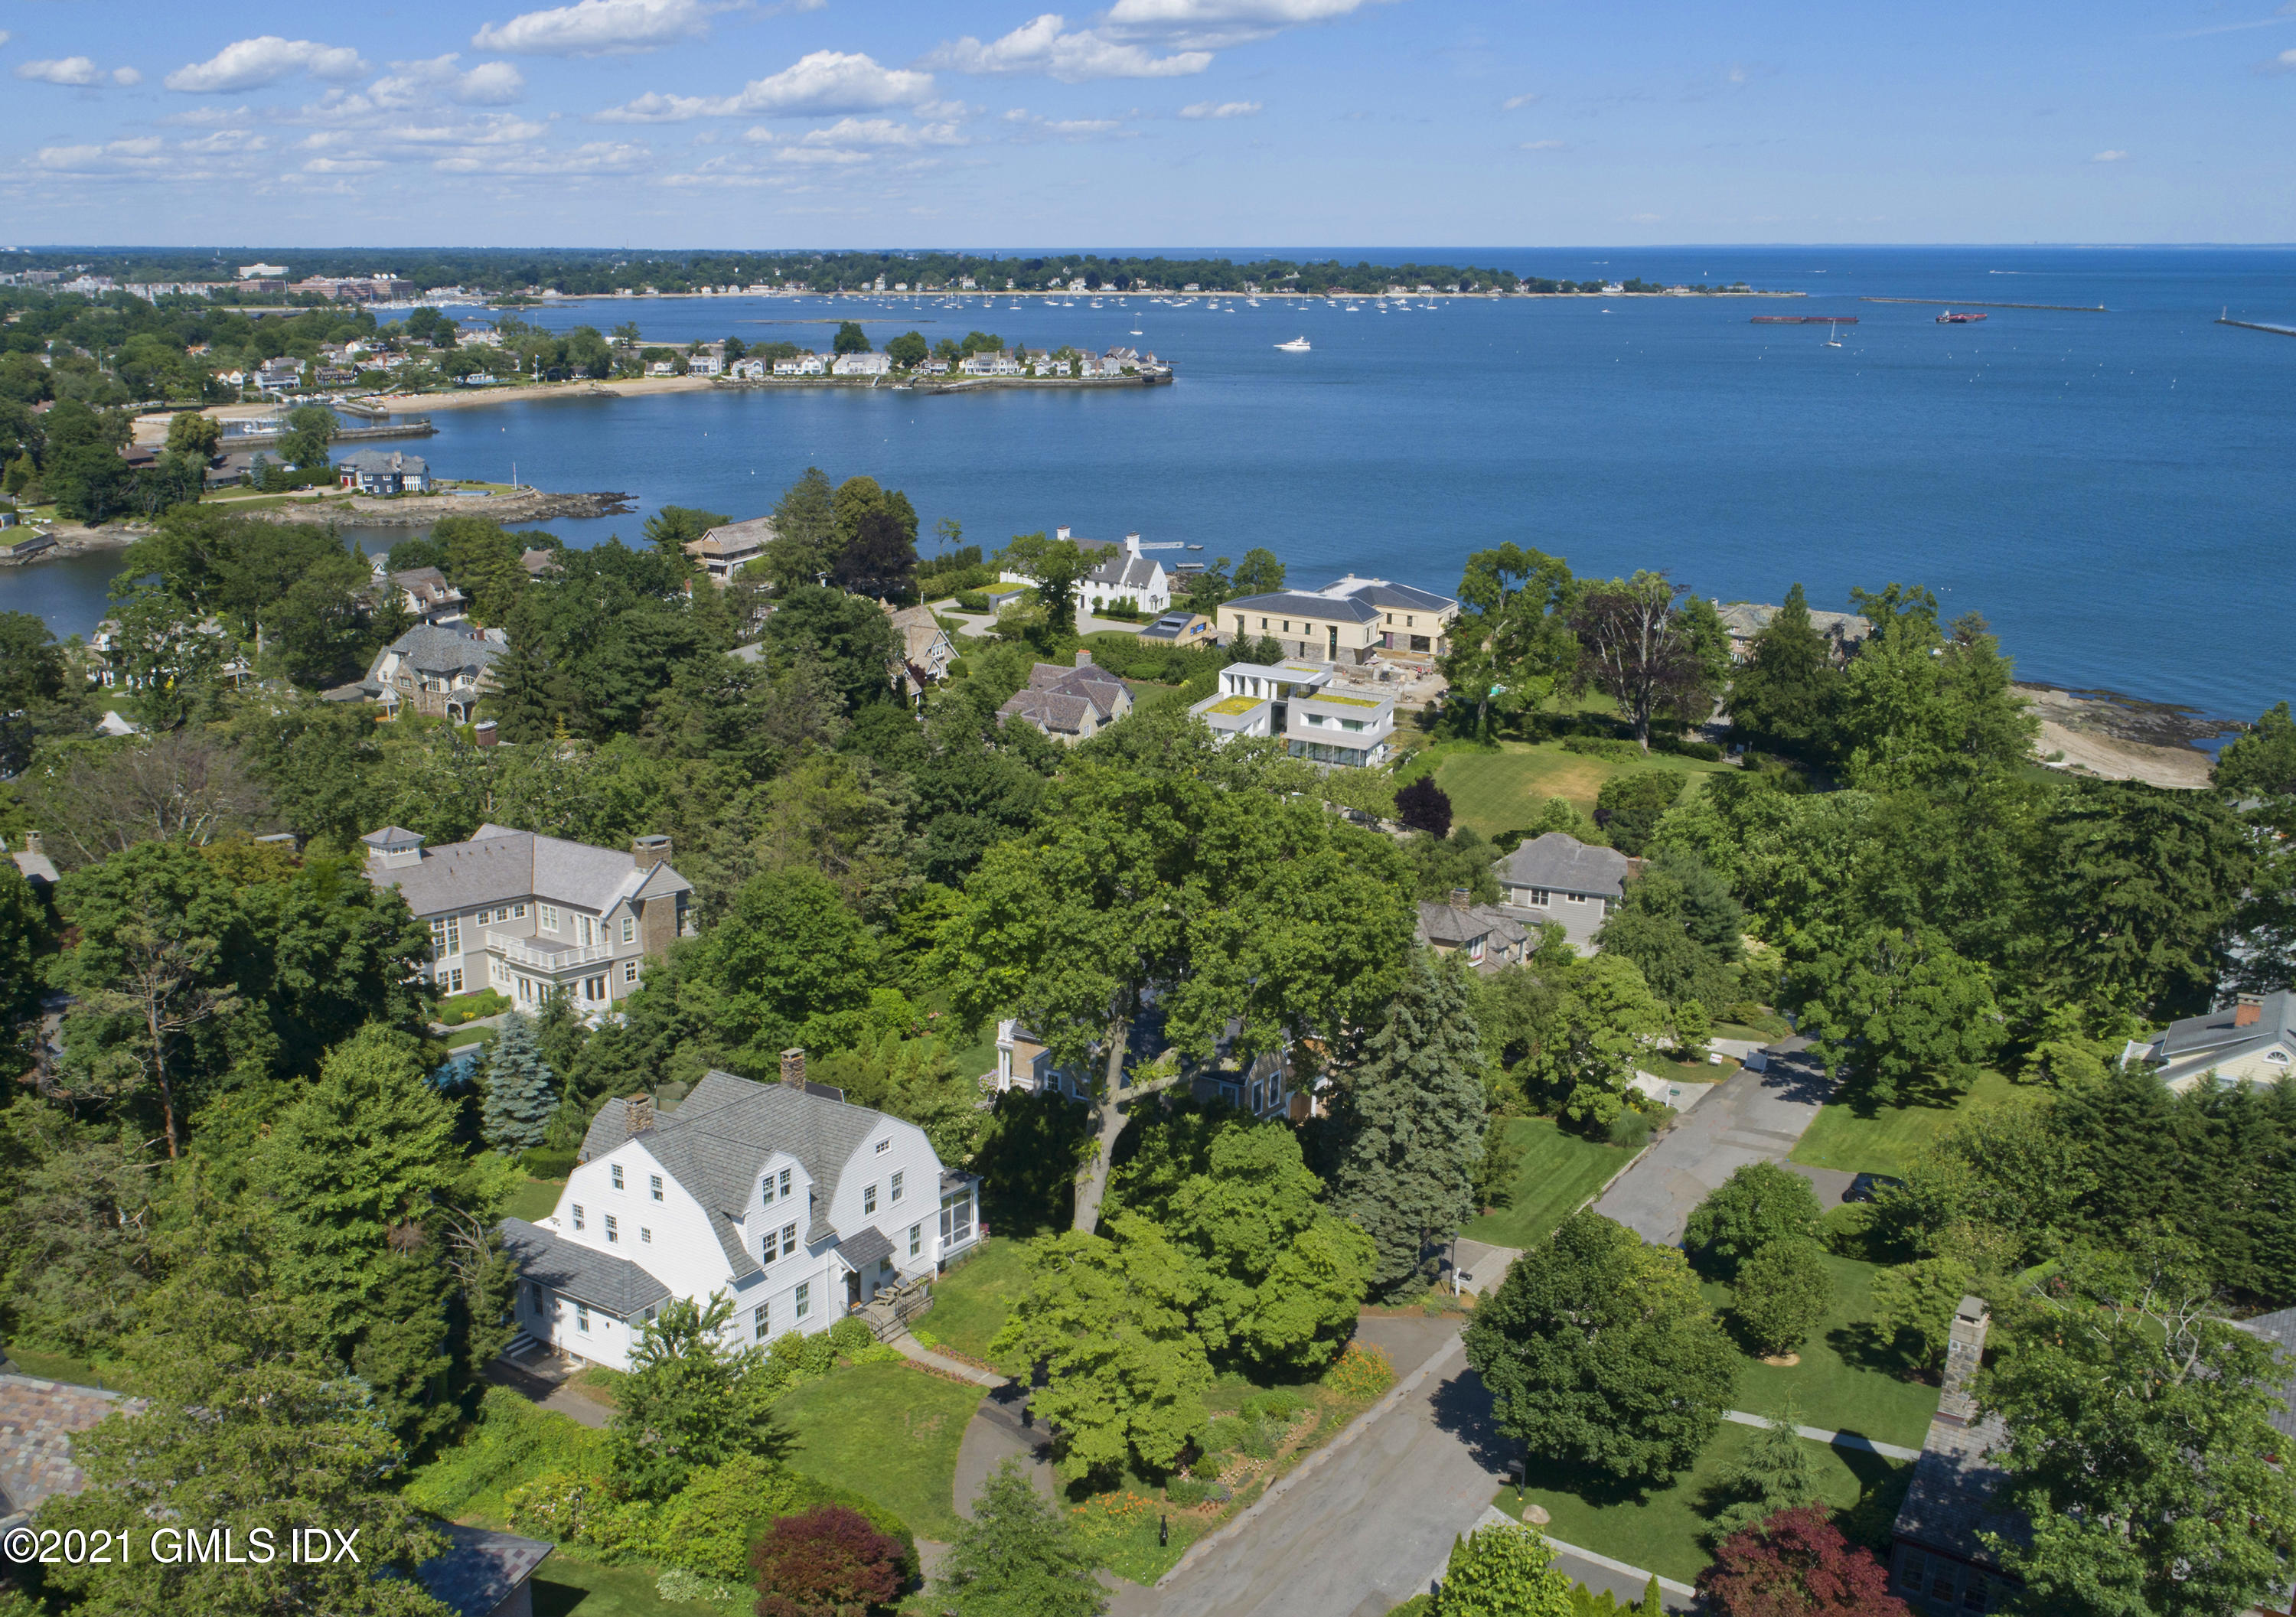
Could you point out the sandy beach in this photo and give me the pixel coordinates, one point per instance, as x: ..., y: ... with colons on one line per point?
x: 2120, y: 739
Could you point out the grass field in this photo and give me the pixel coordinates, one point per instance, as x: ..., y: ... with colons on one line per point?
x: 1849, y: 1379
x: 969, y: 1304
x: 1660, y: 1530
x: 1503, y: 790
x: 78, y: 1371
x: 534, y: 1200
x: 887, y: 1432
x: 1888, y: 1138
x: 569, y: 1585
x: 1559, y: 1171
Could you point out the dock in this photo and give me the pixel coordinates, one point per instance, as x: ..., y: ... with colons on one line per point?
x: 2074, y: 308
x: 413, y: 426
x: 2250, y: 326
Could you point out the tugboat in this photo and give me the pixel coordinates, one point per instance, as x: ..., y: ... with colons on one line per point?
x: 1950, y: 318
x: 1298, y: 345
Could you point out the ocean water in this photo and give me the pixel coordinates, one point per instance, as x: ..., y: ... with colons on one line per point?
x: 2109, y: 491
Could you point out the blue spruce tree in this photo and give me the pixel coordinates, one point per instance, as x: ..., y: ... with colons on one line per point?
x: 521, y: 1091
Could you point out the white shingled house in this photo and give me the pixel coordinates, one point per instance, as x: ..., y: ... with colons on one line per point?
x: 781, y: 1197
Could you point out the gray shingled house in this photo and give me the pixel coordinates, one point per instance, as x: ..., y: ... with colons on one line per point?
x: 523, y: 914
x: 1938, y: 1563
x: 1069, y: 704
x: 1488, y: 935
x: 1558, y: 878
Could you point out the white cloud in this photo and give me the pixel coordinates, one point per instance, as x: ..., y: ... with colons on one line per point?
x: 1644, y: 218
x: 126, y: 76
x: 67, y: 71
x: 1221, y: 109
x: 114, y: 159
x: 597, y: 157
x: 1210, y: 24
x: 2110, y: 157
x: 5, y: 36
x: 1540, y: 146
x: 597, y: 27
x: 821, y: 84
x: 1513, y: 101
x: 850, y: 132
x: 2285, y: 62
x: 248, y: 64
x: 1045, y: 46
x: 490, y: 84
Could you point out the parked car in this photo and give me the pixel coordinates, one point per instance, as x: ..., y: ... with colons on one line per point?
x: 1865, y: 1187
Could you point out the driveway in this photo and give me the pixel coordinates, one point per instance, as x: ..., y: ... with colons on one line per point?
x: 1752, y: 1117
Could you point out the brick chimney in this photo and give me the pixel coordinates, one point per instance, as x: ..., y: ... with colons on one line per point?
x: 1965, y: 1351
x: 647, y: 851
x: 794, y: 1068
x: 2247, y: 1013
x: 638, y: 1113
x: 1461, y: 897
x: 1083, y: 658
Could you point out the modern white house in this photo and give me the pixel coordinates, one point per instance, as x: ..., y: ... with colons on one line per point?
x: 781, y: 1197
x: 524, y: 915
x: 1295, y: 703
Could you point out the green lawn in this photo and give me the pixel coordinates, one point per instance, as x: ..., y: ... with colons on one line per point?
x: 971, y: 1304
x: 1503, y: 789
x: 463, y: 1039
x: 1559, y: 1171
x: 78, y: 1371
x: 887, y: 1432
x: 1659, y: 1530
x: 1847, y: 1379
x: 534, y: 1200
x: 1887, y: 1139
x: 569, y: 1585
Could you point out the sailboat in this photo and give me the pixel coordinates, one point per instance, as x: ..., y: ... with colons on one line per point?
x: 1832, y: 335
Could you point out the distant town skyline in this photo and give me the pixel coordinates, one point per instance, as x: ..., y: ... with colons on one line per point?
x: 1214, y: 123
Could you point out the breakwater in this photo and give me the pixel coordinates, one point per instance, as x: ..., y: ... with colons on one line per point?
x: 414, y: 426
x: 2068, y: 308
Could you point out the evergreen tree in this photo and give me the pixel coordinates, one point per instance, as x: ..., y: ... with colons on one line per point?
x: 1782, y: 698
x: 1017, y: 1557
x: 521, y: 1091
x: 1775, y: 1473
x: 1410, y: 1123
x: 526, y: 701
x: 690, y: 1400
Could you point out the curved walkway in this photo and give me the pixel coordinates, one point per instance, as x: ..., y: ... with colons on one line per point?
x: 910, y: 1348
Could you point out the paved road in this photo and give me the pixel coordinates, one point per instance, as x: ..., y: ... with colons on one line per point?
x: 1361, y: 1529
x: 1748, y: 1118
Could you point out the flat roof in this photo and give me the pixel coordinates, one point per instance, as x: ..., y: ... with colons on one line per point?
x: 1236, y: 705
x: 1351, y: 701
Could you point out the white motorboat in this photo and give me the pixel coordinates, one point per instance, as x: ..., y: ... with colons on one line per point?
x: 1298, y: 345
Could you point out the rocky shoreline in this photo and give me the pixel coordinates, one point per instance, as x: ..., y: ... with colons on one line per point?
x: 422, y: 510
x: 2121, y: 737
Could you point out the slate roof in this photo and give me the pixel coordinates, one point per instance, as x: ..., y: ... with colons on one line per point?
x: 1456, y: 926
x: 1951, y: 1496
x: 870, y: 1246
x: 1381, y: 593
x: 718, y: 1139
x: 2280, y: 1330
x: 1124, y: 571
x: 1300, y: 604
x: 37, y: 868
x: 1559, y: 862
x: 1746, y: 619
x: 441, y: 649
x: 383, y: 461
x: 734, y: 538
x: 617, y: 1284
x: 1058, y: 699
x: 480, y: 1569
x: 38, y: 1419
x: 2222, y: 1035
x: 499, y: 866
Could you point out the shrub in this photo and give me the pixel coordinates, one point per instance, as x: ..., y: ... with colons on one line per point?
x: 802, y: 1358
x: 824, y: 1563
x: 971, y: 601
x: 849, y: 1335
x: 548, y: 1162
x: 1184, y: 1491
x: 1503, y: 1572
x: 1630, y: 807
x: 1277, y: 1404
x: 1783, y: 1292
x: 1797, y: 1561
x: 581, y: 1506
x: 1759, y: 1203
x: 1601, y: 746
x: 512, y: 1441
x: 1424, y: 806
x: 1848, y: 1231
x: 1631, y: 1129
x: 709, y: 1524
x: 675, y: 1584
x: 1360, y: 1372
x: 469, y: 1008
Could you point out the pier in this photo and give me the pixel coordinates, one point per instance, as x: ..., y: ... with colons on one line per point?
x: 413, y: 426
x: 2075, y: 309
x: 2250, y: 326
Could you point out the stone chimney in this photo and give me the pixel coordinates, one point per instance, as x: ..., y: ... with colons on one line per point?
x: 33, y: 846
x: 648, y: 851
x: 638, y: 1113
x: 1965, y: 1351
x: 1462, y: 897
x: 793, y: 1067
x: 1083, y: 658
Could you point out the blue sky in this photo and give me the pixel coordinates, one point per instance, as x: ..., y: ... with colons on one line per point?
x: 1150, y: 123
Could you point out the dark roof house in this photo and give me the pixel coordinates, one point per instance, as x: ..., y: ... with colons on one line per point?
x: 37, y: 1420
x: 1069, y: 704
x: 1488, y: 935
x: 2251, y: 1039
x: 483, y: 1573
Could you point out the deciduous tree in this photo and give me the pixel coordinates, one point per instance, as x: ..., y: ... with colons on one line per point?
x: 826, y: 1563
x: 1503, y: 1572
x: 1599, y: 1352
x: 691, y: 1401
x: 1636, y: 646
x: 1758, y: 1204
x: 1017, y: 1556
x: 1782, y: 1294
x: 1797, y: 1565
